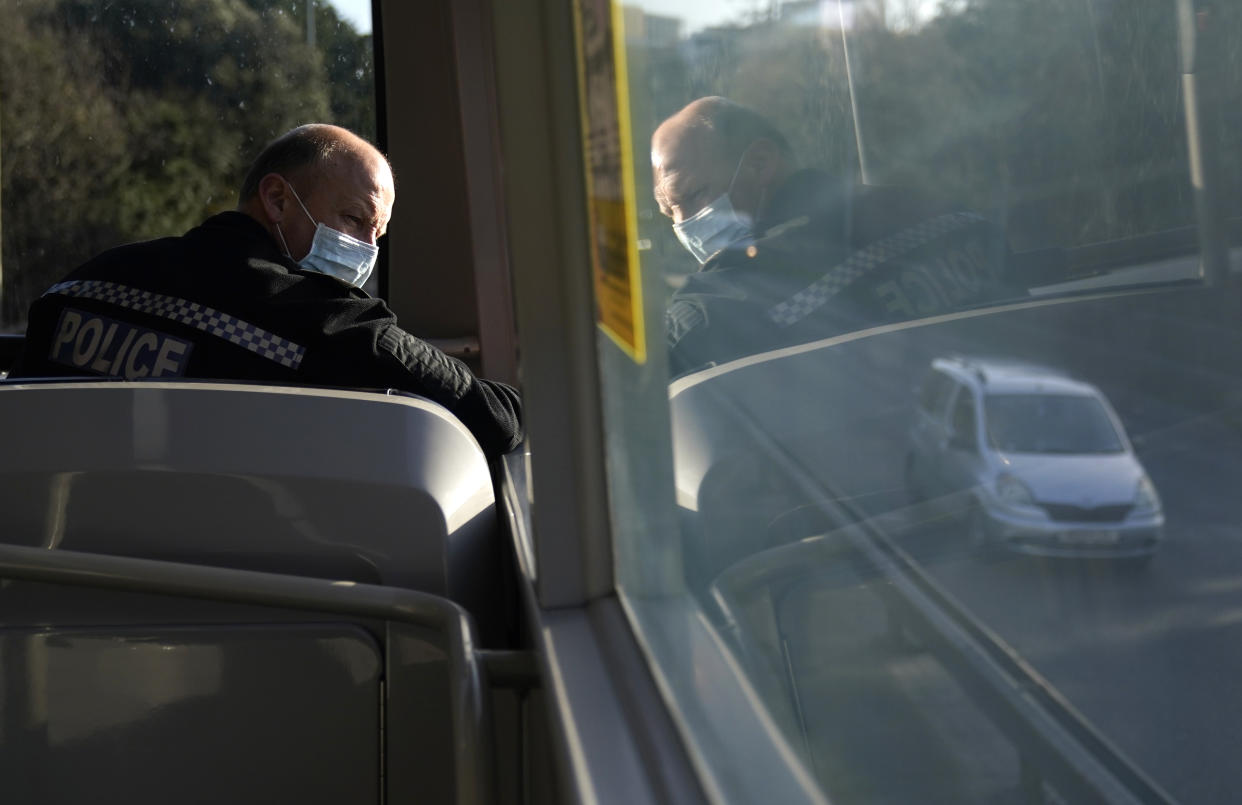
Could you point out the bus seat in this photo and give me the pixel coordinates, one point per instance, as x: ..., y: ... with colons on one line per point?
x: 231, y: 686
x: 256, y: 713
x: 10, y: 347
x: 369, y: 487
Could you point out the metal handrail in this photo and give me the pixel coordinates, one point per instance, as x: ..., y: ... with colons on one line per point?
x: 1082, y: 762
x: 474, y: 769
x: 10, y: 346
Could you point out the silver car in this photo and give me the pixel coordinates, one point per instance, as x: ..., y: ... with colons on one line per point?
x: 1041, y: 459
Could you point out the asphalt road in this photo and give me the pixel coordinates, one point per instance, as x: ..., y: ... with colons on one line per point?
x: 1150, y: 655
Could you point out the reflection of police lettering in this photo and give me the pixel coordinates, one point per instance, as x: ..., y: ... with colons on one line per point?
x: 966, y: 268
x: 107, y: 347
x: 959, y: 277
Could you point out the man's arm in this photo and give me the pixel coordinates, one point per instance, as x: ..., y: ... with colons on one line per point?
x: 355, y: 340
x: 493, y: 412
x: 682, y: 320
x: 490, y: 409
x: 712, y: 320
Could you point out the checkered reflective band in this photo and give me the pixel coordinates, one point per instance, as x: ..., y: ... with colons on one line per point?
x: 841, y: 276
x: 231, y: 329
x: 682, y: 317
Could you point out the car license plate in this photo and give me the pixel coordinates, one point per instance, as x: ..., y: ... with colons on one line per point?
x: 1091, y: 537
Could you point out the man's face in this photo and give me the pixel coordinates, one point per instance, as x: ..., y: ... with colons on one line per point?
x: 688, y: 173
x: 353, y: 194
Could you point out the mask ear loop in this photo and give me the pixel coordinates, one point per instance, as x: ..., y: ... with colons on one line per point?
x: 298, y: 199
x: 763, y: 191
x: 736, y: 171
x: 284, y: 246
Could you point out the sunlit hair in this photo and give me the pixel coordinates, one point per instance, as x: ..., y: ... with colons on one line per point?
x: 735, y: 126
x: 311, y: 145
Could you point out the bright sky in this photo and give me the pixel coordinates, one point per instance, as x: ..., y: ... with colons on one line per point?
x: 356, y: 11
x: 695, y: 14
x: 698, y: 14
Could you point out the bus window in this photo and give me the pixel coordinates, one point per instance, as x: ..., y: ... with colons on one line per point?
x: 819, y: 203
x: 135, y: 120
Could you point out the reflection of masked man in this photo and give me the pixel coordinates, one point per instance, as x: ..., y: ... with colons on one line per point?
x: 790, y: 256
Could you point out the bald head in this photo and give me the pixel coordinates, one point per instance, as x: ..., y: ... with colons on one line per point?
x: 713, y: 146
x: 694, y: 127
x: 314, y: 174
x: 305, y: 149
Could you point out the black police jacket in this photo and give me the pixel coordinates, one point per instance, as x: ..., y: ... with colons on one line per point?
x: 222, y: 302
x: 833, y: 258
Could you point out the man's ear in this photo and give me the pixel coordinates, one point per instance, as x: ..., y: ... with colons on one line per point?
x: 273, y: 195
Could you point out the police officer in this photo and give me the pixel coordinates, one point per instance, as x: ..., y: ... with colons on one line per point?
x: 789, y: 256
x: 269, y: 292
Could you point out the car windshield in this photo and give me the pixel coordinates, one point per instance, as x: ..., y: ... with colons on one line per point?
x: 1050, y: 423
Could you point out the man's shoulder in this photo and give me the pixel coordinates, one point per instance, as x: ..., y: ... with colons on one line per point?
x: 127, y: 260
x: 720, y: 314
x: 805, y: 194
x: 137, y: 248
x: 219, y: 228
x: 723, y: 277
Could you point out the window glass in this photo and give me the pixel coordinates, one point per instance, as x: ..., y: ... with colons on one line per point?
x: 136, y: 119
x: 935, y: 393
x: 829, y: 197
x: 1049, y: 423
x: 964, y: 419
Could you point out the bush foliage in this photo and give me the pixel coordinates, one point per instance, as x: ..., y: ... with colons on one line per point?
x: 134, y: 119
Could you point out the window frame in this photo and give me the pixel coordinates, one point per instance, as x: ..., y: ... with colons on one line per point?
x: 586, y: 626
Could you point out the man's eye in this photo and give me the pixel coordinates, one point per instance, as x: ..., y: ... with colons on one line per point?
x: 687, y: 202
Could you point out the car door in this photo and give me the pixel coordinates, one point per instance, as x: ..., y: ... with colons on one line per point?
x: 962, y: 461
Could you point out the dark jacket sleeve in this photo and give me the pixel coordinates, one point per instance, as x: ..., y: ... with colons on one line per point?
x: 357, y: 341
x: 714, y: 319
x: 490, y: 409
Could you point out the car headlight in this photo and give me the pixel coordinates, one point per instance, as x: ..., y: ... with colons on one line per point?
x: 1012, y: 492
x: 1146, y: 501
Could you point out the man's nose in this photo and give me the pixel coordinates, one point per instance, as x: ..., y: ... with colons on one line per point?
x: 365, y: 234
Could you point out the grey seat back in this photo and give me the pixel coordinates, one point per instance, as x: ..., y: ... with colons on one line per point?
x: 262, y: 713
x: 128, y: 680
x: 359, y: 486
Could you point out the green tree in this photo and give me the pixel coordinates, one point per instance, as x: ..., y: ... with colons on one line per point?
x: 1061, y: 119
x: 63, y: 138
x: 135, y: 119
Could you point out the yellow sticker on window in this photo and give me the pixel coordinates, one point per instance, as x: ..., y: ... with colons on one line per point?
x: 608, y: 151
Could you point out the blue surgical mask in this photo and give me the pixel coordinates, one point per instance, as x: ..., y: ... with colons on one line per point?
x: 715, y: 227
x: 334, y: 253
